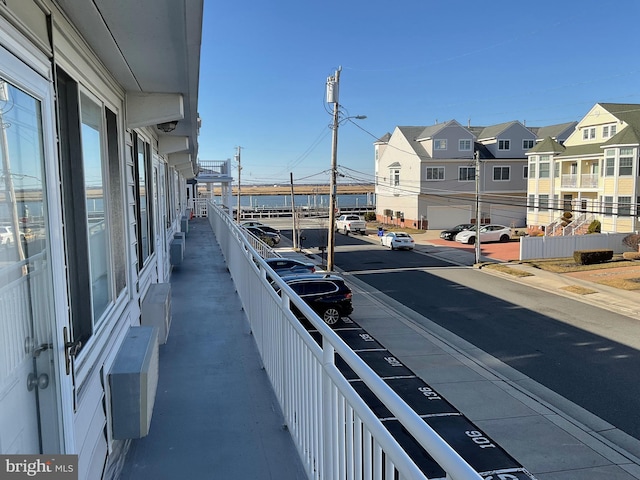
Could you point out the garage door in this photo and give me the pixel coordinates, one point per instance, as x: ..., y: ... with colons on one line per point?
x: 446, y: 217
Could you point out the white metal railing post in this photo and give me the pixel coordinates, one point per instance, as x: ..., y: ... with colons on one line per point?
x: 328, y: 460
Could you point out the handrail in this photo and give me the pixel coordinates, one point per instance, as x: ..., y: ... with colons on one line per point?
x: 315, y: 397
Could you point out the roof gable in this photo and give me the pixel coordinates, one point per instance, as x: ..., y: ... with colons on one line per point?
x: 548, y: 145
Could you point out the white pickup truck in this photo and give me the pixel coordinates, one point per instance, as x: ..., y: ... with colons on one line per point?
x: 351, y: 224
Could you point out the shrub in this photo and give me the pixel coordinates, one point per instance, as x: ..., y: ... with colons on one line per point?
x: 631, y: 255
x: 370, y: 217
x: 595, y: 227
x: 589, y: 257
x: 566, y: 218
x: 632, y: 241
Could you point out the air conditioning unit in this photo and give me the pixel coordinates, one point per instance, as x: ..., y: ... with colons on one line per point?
x: 133, y: 381
x: 156, y: 309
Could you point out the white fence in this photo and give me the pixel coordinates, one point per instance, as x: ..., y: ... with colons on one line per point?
x: 564, y: 246
x: 336, y: 433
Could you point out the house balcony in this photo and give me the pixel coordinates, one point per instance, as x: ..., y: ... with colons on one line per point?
x: 214, y: 171
x: 574, y: 181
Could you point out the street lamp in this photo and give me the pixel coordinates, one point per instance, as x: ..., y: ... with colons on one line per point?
x: 333, y: 84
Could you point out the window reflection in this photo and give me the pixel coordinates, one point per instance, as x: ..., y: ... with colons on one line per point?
x: 91, y: 133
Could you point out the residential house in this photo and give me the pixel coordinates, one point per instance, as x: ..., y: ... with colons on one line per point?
x: 426, y: 176
x: 593, y: 175
x: 99, y: 125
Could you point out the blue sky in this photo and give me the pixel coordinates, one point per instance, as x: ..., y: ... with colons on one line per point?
x: 264, y: 66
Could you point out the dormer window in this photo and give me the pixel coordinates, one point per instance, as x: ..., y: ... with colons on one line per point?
x: 440, y: 144
x: 589, y: 133
x: 504, y: 144
x: 464, y: 145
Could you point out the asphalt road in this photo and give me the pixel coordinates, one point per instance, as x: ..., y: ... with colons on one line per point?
x: 549, y: 338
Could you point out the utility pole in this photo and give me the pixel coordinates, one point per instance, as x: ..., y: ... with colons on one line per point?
x: 239, y: 170
x: 293, y: 215
x: 478, y: 215
x: 333, y: 87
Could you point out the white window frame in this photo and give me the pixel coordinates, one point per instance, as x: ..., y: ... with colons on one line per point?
x: 527, y: 143
x: 440, y: 144
x: 394, y: 177
x: 504, y: 145
x: 628, y: 158
x: 626, y: 201
x: 464, y: 145
x: 439, y: 170
x: 502, y: 169
x: 467, y: 169
x: 609, y: 169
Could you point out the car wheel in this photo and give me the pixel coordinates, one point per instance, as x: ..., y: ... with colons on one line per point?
x: 345, y: 231
x: 331, y: 315
x: 504, y: 238
x: 471, y: 241
x: 391, y: 246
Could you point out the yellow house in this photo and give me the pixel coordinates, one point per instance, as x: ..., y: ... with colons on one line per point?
x: 594, y: 175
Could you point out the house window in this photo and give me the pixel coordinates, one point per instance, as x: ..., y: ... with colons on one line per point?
x: 464, y: 145
x: 585, y: 134
x: 434, y: 173
x: 440, y: 144
x: 525, y: 171
x: 531, y: 202
x: 605, y: 131
x: 556, y: 169
x: 394, y: 178
x: 527, y: 144
x: 543, y: 202
x: 607, y: 205
x: 624, y: 206
x: 610, y: 163
x: 501, y: 174
x: 544, y: 170
x: 504, y: 144
x: 93, y: 205
x: 144, y: 196
x: 466, y: 174
x: 589, y: 133
x: 626, y: 161
x: 532, y: 170
x: 612, y: 130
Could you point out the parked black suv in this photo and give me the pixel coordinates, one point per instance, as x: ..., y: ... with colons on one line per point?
x: 269, y: 238
x: 326, y: 294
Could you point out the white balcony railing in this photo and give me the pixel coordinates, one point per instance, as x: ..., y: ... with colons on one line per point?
x: 569, y: 181
x: 336, y: 433
x: 589, y: 180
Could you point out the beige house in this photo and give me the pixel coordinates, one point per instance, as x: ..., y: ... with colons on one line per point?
x: 594, y: 175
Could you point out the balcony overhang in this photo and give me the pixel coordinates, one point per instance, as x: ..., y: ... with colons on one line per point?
x: 146, y: 109
x: 168, y: 144
x: 178, y: 159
